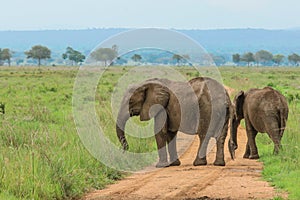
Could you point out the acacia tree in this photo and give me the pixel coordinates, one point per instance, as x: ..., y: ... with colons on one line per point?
x: 294, y: 58
x: 136, y: 58
x: 236, y: 58
x: 263, y: 57
x: 248, y: 58
x: 177, y: 58
x: 277, y: 59
x: 6, y: 54
x: 38, y: 52
x: 74, y: 56
x: 104, y: 54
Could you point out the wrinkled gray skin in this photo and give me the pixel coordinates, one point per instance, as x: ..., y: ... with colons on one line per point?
x: 200, y: 106
x: 264, y: 110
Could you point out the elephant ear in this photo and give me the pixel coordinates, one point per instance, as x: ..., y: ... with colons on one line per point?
x: 138, y: 94
x: 239, y: 102
x: 156, y: 98
x: 162, y: 95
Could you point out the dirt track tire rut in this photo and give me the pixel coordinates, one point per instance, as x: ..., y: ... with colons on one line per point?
x: 239, y: 179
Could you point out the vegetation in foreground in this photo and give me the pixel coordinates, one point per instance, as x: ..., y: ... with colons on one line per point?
x: 42, y: 156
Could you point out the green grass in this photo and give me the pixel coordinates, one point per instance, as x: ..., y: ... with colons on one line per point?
x: 283, y: 170
x: 42, y: 157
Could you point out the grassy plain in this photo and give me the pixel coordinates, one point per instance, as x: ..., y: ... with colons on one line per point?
x: 42, y: 157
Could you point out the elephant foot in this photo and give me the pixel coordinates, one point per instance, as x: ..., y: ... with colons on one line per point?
x: 276, y: 151
x: 219, y: 163
x: 246, y: 156
x: 200, y: 161
x: 255, y: 156
x: 175, y: 163
x: 162, y: 164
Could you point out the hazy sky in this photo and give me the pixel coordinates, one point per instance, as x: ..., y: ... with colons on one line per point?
x: 180, y: 14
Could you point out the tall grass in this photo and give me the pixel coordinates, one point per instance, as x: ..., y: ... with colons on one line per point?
x: 41, y: 155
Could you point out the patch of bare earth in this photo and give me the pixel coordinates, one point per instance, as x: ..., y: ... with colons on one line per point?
x: 239, y: 179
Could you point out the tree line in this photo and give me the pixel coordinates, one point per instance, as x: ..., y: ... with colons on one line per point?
x: 108, y: 55
x: 39, y: 53
x: 266, y: 58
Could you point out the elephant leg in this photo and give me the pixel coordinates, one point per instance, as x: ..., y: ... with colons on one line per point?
x: 201, y: 155
x: 171, y: 140
x: 162, y: 151
x: 251, y: 134
x: 247, y: 151
x: 274, y: 133
x: 161, y: 140
x: 277, y: 144
x: 220, y: 146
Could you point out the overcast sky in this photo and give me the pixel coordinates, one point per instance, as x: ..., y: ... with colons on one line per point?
x: 179, y: 14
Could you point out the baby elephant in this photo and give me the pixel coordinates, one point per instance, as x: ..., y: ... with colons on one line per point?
x: 266, y: 111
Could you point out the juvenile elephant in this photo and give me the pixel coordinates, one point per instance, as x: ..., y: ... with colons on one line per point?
x: 264, y: 110
x: 200, y: 106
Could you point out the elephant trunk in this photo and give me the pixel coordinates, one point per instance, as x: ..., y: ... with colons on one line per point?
x: 232, y: 143
x: 123, y: 117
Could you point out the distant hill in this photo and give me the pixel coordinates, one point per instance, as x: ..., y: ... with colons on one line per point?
x: 56, y: 40
x: 242, y: 40
x: 222, y: 42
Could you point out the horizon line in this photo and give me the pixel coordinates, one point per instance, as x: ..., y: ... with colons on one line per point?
x: 132, y: 28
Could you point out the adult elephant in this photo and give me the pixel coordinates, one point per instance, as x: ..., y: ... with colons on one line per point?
x: 264, y: 110
x: 199, y: 106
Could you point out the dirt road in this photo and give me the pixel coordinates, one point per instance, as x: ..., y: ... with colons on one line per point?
x: 239, y: 179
